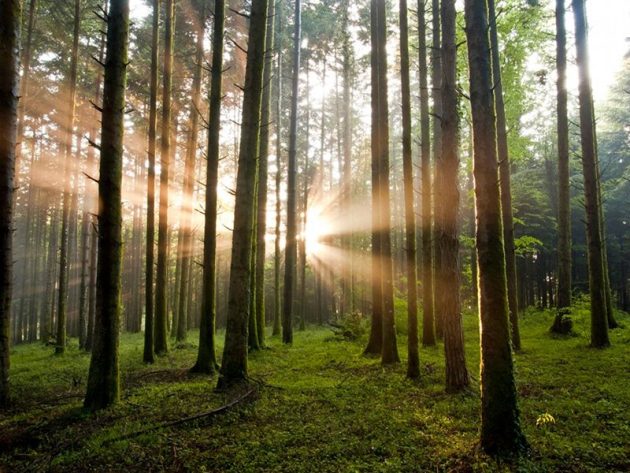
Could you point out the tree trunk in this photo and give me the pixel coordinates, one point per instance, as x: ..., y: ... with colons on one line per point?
x: 504, y: 179
x: 149, y: 324
x: 263, y: 161
x: 380, y: 156
x: 234, y: 366
x: 10, y: 16
x: 161, y: 303
x: 428, y: 330
x: 375, y: 342
x: 103, y: 387
x: 564, y: 197
x: 277, y: 257
x: 206, y: 356
x: 500, y: 426
x: 413, y: 358
x: 592, y: 198
x: 189, y: 182
x: 348, y: 64
x: 290, y: 253
x: 68, y: 126
x: 436, y: 83
x: 448, y: 235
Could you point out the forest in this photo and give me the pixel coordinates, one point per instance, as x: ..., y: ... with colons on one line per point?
x: 314, y: 235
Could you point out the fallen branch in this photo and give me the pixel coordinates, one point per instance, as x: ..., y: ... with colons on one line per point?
x: 183, y: 420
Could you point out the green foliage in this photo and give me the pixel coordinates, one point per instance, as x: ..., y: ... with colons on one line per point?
x: 352, y: 326
x: 324, y: 407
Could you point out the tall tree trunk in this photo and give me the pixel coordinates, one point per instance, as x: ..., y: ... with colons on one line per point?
x: 428, y: 329
x: 504, y: 179
x: 24, y: 82
x: 103, y: 387
x: 189, y: 182
x: 346, y: 193
x: 500, y: 426
x: 263, y: 161
x: 375, y: 341
x: 161, y: 303
x: 276, y: 259
x: 88, y: 277
x: 206, y: 356
x: 592, y: 198
x: 149, y: 325
x: 234, y: 366
x: 564, y: 197
x: 68, y: 127
x: 448, y: 235
x: 413, y: 358
x: 380, y: 154
x: 10, y: 16
x: 436, y: 84
x: 51, y: 265
x: 290, y: 252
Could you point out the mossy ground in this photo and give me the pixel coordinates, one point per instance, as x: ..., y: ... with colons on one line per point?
x: 322, y: 407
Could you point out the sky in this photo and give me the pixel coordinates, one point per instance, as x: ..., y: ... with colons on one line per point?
x: 609, y: 28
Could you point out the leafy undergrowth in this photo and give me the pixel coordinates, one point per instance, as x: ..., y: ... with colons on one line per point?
x: 319, y: 406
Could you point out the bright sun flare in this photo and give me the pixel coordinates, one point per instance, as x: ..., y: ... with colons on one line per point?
x: 317, y: 228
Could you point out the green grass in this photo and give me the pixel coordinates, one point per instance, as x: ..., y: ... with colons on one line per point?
x: 322, y: 407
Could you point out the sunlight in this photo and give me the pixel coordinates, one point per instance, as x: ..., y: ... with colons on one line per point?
x: 318, y: 227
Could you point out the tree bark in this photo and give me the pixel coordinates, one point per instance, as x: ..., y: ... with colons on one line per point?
x: 234, y: 367
x: 380, y: 125
x: 161, y: 303
x: 10, y: 16
x: 564, y: 198
x: 428, y: 329
x: 413, y: 357
x: 149, y: 315
x: 186, y: 230
x: 263, y: 166
x: 504, y: 179
x: 436, y: 84
x: 448, y: 236
x: 277, y: 257
x: 103, y: 387
x: 500, y: 426
x: 68, y: 125
x: 206, y: 356
x: 375, y: 341
x: 290, y: 253
x: 592, y: 197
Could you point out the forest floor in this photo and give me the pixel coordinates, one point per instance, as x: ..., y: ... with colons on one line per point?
x: 320, y: 406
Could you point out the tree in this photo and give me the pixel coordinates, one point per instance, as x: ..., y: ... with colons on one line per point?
x: 592, y: 197
x: 10, y: 16
x: 149, y: 316
x: 428, y: 330
x: 278, y: 108
x: 68, y: 125
x: 436, y: 88
x: 448, y: 229
x: 161, y: 305
x: 206, y: 356
x: 500, y: 426
x: 103, y: 387
x: 564, y: 197
x: 234, y: 366
x: 380, y: 185
x: 290, y: 253
x: 504, y: 179
x: 413, y: 359
x: 186, y: 230
x: 263, y: 161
